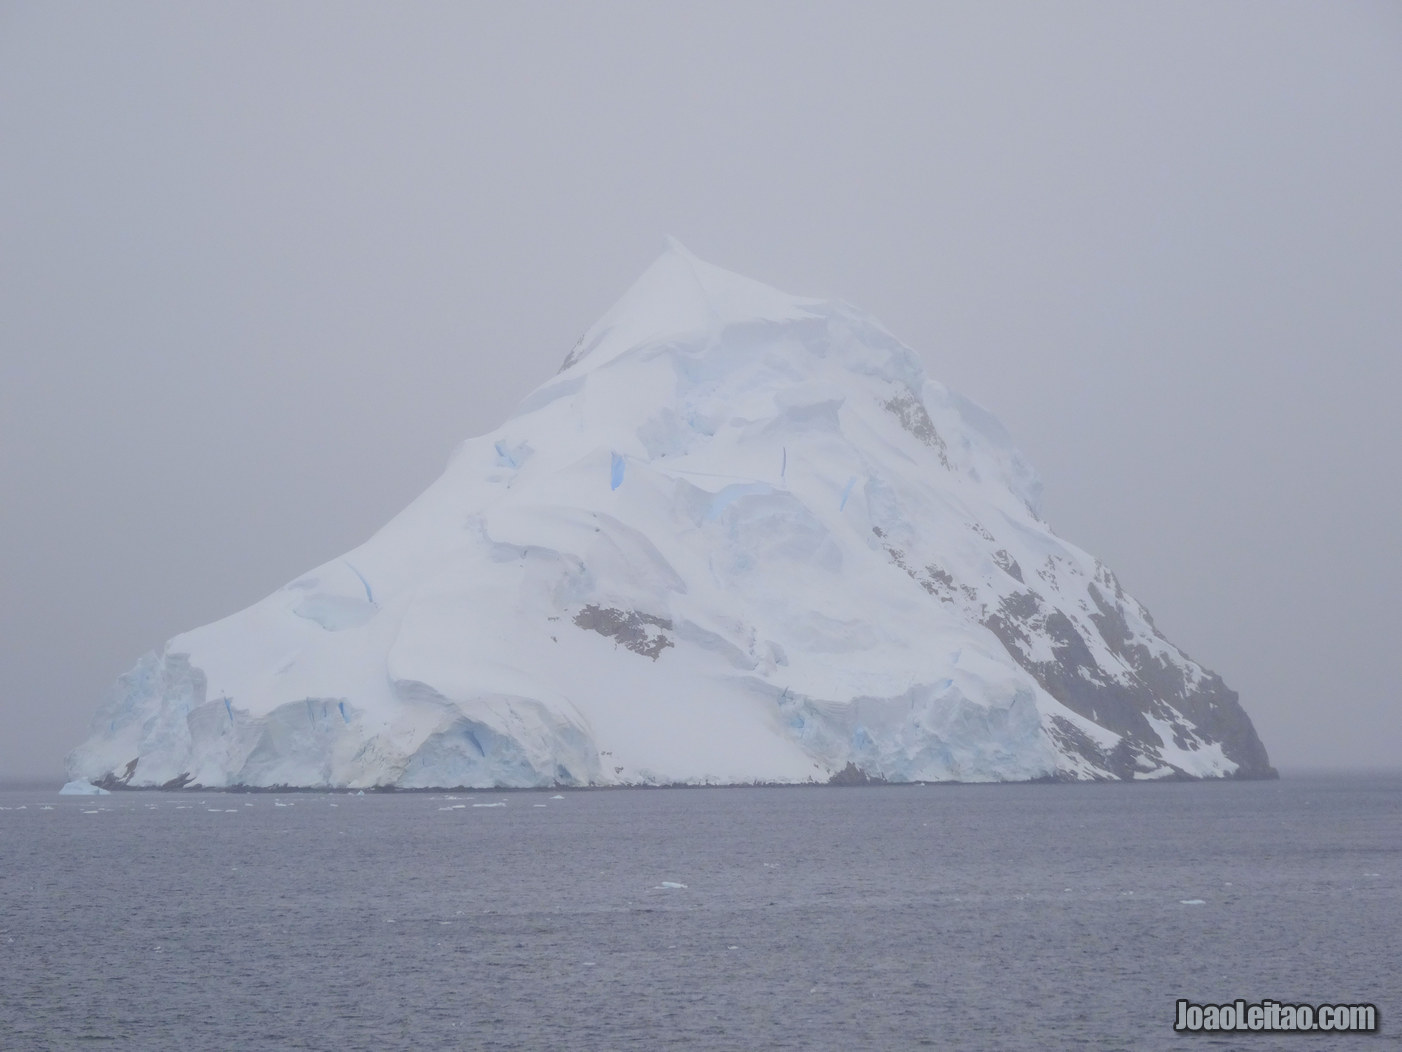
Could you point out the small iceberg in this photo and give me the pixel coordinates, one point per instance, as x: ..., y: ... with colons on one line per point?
x: 499, y: 803
x: 1192, y: 902
x: 81, y: 788
x: 669, y: 884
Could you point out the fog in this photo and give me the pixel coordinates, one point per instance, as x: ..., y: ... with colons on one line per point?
x: 263, y: 266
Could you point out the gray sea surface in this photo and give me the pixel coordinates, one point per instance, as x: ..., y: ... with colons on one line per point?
x: 891, y: 917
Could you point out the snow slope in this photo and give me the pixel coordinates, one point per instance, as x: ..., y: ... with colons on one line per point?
x: 739, y: 537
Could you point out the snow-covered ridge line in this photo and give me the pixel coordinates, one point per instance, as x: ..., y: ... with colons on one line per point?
x: 741, y: 538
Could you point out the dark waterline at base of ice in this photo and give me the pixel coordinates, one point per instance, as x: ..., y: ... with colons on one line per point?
x: 970, y: 917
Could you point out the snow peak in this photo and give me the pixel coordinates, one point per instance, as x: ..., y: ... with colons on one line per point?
x: 1272, y: 1015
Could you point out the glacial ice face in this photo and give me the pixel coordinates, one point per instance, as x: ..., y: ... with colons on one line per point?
x: 740, y: 537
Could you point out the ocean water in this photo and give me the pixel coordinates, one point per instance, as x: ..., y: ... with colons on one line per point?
x: 945, y: 917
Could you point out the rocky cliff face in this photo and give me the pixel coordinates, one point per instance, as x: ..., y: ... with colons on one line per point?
x: 740, y: 537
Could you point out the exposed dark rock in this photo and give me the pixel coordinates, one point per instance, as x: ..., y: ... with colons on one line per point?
x: 1213, y: 709
x: 641, y: 633
x: 1008, y: 564
x: 112, y: 780
x: 934, y: 580
x: 854, y: 775
x: 911, y: 412
x: 1073, y: 677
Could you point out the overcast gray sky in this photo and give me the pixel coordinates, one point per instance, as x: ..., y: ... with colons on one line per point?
x: 262, y: 266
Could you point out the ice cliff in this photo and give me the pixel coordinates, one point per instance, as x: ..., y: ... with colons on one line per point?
x: 739, y: 537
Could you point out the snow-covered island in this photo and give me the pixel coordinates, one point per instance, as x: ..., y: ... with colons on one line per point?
x: 740, y: 537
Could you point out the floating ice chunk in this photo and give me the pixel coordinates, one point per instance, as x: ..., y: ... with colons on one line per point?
x: 668, y: 884
x: 81, y: 788
x: 557, y: 796
x: 1192, y: 902
x: 537, y: 805
x: 499, y: 803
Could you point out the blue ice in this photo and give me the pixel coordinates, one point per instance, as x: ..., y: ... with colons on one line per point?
x: 730, y: 494
x: 847, y: 492
x: 615, y: 471
x: 369, y: 596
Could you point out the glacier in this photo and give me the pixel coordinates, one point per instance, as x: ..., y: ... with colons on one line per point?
x: 740, y: 537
